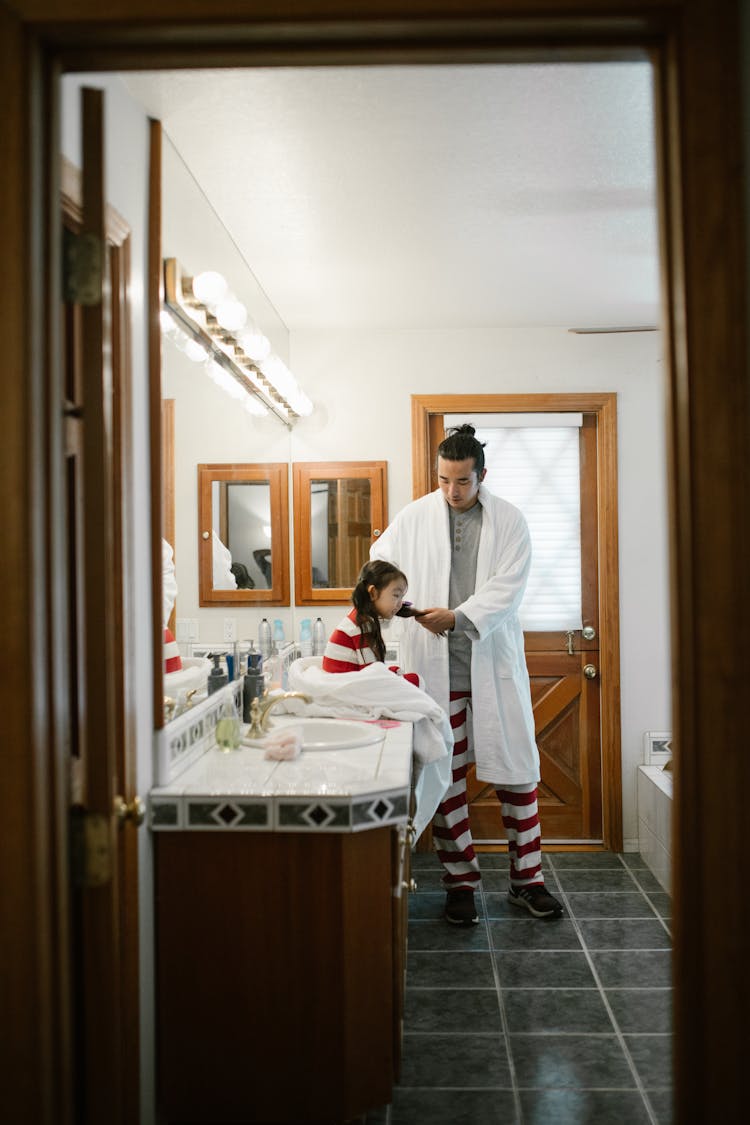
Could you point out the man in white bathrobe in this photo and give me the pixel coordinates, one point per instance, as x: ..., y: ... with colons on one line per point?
x: 466, y: 555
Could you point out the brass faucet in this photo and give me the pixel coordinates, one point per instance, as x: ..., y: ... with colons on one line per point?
x: 260, y: 707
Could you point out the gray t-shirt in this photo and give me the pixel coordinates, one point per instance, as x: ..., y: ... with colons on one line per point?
x: 465, y: 529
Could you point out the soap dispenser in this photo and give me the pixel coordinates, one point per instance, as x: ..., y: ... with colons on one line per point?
x: 252, y: 683
x: 217, y: 677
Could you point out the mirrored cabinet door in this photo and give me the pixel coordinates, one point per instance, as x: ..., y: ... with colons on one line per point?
x: 243, y: 529
x: 339, y: 509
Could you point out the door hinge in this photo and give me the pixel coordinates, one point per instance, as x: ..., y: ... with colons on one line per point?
x: 91, y: 847
x: 82, y: 268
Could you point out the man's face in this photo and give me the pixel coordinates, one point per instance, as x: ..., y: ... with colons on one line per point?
x: 459, y: 483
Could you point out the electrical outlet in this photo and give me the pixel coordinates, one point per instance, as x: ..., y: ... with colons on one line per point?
x: 230, y: 628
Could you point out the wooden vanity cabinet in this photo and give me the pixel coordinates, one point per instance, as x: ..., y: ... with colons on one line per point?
x: 280, y: 964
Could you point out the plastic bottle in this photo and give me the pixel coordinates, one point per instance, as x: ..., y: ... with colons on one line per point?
x: 217, y: 677
x: 319, y: 637
x: 278, y: 633
x: 305, y: 638
x: 252, y: 682
x: 265, y: 638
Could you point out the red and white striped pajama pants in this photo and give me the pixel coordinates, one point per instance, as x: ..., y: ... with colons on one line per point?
x: 450, y: 826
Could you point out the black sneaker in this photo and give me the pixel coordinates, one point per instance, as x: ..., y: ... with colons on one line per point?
x: 459, y: 907
x: 537, y: 900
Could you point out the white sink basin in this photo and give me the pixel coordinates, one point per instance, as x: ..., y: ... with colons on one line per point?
x: 337, y: 734
x: 328, y: 734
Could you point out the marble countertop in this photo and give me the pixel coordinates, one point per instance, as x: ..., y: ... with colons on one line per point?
x: 322, y: 790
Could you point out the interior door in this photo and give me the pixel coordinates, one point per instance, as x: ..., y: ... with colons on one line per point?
x: 103, y: 907
x: 564, y: 669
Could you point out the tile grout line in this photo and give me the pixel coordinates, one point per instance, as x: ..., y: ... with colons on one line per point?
x: 645, y: 894
x: 503, y: 1013
x: 618, y: 1033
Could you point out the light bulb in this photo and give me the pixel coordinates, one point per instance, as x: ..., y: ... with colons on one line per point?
x: 255, y: 345
x: 300, y: 403
x: 210, y: 288
x: 231, y: 314
x: 277, y: 373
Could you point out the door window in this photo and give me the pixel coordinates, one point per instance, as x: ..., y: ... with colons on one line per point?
x: 532, y: 460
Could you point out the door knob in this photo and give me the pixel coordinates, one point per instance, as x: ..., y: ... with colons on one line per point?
x: 589, y: 671
x: 134, y: 812
x: 588, y: 632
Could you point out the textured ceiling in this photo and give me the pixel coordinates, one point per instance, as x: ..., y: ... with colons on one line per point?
x: 429, y: 196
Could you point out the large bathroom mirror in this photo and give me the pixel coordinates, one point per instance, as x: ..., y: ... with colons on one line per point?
x: 339, y: 508
x: 243, y: 529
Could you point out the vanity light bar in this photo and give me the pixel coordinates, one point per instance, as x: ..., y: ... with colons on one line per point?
x: 220, y: 344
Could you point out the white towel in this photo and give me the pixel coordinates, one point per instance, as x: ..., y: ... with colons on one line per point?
x: 374, y: 693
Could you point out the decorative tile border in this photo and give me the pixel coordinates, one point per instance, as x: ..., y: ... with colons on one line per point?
x: 385, y: 808
x: 341, y: 814
x: 278, y: 814
x: 227, y: 814
x: 165, y: 814
x: 185, y: 739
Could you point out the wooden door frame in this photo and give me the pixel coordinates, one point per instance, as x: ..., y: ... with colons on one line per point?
x: 696, y: 45
x: 120, y: 597
x: 426, y: 410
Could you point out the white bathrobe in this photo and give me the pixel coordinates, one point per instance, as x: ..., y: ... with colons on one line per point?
x: 418, y: 542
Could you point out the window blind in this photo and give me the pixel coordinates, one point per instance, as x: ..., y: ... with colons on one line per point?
x: 536, y: 467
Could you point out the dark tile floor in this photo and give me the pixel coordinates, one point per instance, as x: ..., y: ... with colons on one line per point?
x: 524, y: 1021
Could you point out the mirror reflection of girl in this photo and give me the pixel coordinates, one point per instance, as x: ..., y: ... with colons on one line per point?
x: 357, y: 640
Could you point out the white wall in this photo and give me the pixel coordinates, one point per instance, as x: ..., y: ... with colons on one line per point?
x: 126, y: 157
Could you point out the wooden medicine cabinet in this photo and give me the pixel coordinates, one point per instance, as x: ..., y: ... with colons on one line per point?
x: 340, y: 507
x: 243, y: 534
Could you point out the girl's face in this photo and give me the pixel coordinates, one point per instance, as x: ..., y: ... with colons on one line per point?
x: 388, y: 601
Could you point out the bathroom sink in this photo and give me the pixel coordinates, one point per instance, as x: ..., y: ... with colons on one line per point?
x: 337, y: 734
x: 327, y: 734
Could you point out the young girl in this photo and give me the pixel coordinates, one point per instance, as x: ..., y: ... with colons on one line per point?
x: 357, y: 641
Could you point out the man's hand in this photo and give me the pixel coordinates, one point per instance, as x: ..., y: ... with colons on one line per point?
x: 437, y: 620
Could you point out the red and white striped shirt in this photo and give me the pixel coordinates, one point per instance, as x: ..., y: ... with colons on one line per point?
x: 349, y: 650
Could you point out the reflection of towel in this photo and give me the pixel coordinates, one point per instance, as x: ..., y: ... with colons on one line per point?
x: 223, y: 578
x: 374, y: 692
x: 168, y: 581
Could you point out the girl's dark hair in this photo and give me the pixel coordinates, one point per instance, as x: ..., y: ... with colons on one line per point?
x: 460, y: 444
x: 379, y: 574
